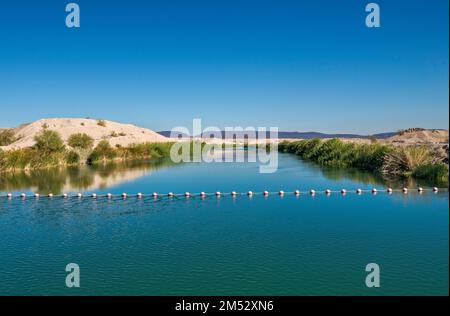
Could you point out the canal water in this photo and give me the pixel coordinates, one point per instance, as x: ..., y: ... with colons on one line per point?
x: 290, y: 245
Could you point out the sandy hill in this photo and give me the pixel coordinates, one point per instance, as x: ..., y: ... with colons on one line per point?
x: 420, y: 135
x: 115, y: 133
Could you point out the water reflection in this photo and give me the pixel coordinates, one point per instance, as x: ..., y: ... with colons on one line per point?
x: 81, y: 178
x: 376, y: 179
x: 369, y: 178
x: 101, y: 177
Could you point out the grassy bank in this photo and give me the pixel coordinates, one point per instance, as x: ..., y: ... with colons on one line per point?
x: 389, y: 161
x: 50, y: 151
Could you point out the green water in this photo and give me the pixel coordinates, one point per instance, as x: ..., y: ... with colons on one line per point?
x: 243, y: 246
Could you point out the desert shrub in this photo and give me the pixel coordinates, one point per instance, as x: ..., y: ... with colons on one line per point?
x: 7, y: 137
x: 403, y: 161
x: 30, y: 158
x: 82, y: 147
x: 101, y: 123
x: 81, y: 141
x: 48, y: 141
x: 401, y: 132
x: 102, y: 152
x: 370, y: 157
x: 146, y: 150
x: 15, y: 159
x: 72, y: 158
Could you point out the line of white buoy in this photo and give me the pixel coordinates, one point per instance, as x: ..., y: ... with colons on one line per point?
x: 232, y: 193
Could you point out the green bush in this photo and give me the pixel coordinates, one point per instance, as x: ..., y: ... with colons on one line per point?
x: 404, y: 160
x: 81, y: 141
x: 72, y: 158
x: 145, y: 151
x: 102, y: 152
x: 7, y: 137
x: 437, y: 172
x: 48, y: 141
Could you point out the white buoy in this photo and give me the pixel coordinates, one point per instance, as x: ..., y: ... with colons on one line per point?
x: 405, y: 190
x: 435, y: 189
x: 266, y: 193
x: 297, y: 192
x: 389, y: 190
x: 187, y: 194
x: 79, y: 195
x: 281, y: 193
x: 9, y: 195
x: 358, y: 191
x: 109, y: 195
x: 170, y: 194
x: 36, y: 195
x: 327, y: 191
x: 344, y: 191
x: 374, y: 191
x: 202, y: 194
x: 94, y: 195
x: 124, y: 195
x: 217, y: 193
x: 50, y: 195
x: 249, y: 193
x: 312, y: 192
x: 155, y: 195
x: 139, y: 195
x: 420, y: 189
x: 233, y: 193
x: 23, y: 195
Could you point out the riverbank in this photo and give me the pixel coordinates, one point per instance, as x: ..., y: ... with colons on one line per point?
x: 415, y: 161
x: 50, y: 151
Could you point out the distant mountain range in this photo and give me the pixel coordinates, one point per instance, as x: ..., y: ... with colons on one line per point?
x: 305, y: 135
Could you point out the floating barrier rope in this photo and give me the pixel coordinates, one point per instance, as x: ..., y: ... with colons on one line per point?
x: 218, y: 194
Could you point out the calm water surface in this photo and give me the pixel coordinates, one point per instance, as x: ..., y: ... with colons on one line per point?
x: 244, y: 246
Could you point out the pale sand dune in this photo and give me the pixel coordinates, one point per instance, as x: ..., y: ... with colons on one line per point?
x: 68, y: 126
x: 420, y: 136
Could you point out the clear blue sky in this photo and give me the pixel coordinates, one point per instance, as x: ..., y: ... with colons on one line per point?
x: 299, y: 65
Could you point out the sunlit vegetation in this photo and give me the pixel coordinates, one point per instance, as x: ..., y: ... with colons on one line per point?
x: 388, y: 161
x: 50, y: 151
x: 7, y: 137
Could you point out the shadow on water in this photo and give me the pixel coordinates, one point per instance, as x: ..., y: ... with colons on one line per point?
x: 370, y: 178
x: 376, y: 179
x: 60, y: 180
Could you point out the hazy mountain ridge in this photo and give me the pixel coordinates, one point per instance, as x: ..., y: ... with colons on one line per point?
x: 303, y: 135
